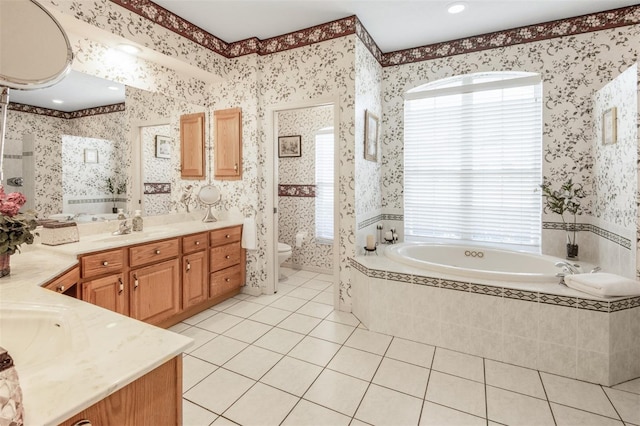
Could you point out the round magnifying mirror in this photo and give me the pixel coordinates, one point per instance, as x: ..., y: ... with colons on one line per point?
x: 209, y: 196
x: 34, y: 49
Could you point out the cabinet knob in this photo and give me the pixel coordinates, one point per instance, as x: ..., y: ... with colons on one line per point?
x: 120, y: 290
x: 135, y: 281
x: 235, y: 167
x: 188, y: 265
x: 227, y: 257
x: 197, y: 243
x: 61, y: 288
x: 227, y: 279
x: 157, y: 251
x: 227, y: 236
x: 105, y: 263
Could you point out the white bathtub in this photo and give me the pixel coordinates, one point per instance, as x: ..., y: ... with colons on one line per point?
x: 477, y: 262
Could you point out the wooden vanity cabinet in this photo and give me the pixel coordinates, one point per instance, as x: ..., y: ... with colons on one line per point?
x: 103, y: 282
x: 153, y: 399
x: 227, y: 125
x: 107, y: 292
x: 155, y: 291
x: 66, y: 283
x: 195, y: 267
x: 226, y: 262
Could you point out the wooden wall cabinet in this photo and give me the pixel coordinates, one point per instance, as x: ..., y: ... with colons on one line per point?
x: 153, y: 399
x: 192, y: 146
x: 228, y: 144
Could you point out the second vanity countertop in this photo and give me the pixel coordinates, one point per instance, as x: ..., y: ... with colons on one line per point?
x: 106, y: 350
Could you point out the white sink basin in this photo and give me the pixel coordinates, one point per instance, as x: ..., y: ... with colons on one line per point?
x: 34, y: 334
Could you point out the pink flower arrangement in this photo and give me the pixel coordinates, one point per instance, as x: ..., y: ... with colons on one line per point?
x: 15, y: 227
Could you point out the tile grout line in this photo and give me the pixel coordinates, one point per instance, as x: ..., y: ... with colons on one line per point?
x: 372, y: 377
x: 612, y: 404
x: 544, y: 389
x: 486, y: 397
x: 424, y: 397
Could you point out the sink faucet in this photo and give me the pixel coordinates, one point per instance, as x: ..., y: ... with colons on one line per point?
x: 567, y: 267
x: 123, y: 228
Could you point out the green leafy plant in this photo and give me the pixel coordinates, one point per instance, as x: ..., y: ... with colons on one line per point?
x: 565, y: 200
x: 15, y: 228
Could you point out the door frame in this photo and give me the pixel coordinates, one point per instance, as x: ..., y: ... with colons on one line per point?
x: 271, y: 219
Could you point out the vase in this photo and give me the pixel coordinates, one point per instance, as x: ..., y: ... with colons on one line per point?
x: 5, y: 264
x: 572, y: 251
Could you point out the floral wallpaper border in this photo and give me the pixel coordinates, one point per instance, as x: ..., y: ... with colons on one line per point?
x: 351, y: 25
x: 296, y: 190
x: 88, y: 112
x: 157, y: 188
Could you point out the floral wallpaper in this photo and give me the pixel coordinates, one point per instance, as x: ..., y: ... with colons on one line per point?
x: 368, y: 173
x: 84, y: 183
x: 155, y: 170
x: 615, y: 172
x: 297, y: 213
x: 573, y: 69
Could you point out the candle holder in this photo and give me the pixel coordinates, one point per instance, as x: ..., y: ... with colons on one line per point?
x: 373, y: 250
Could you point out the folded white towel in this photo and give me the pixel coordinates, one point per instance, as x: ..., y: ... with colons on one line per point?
x: 603, y: 284
x: 249, y: 234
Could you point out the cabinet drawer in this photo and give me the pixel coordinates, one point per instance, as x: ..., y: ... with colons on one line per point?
x: 153, y: 252
x: 64, y: 282
x: 224, y: 281
x: 194, y: 242
x: 225, y: 236
x: 224, y: 256
x: 102, y: 263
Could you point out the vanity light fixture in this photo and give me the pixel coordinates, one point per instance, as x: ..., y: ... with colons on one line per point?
x: 57, y: 101
x: 129, y: 48
x: 457, y: 7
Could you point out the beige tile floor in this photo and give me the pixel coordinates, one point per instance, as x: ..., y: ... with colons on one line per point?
x: 290, y: 359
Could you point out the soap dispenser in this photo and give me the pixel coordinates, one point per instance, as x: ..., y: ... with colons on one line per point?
x: 137, y: 221
x: 121, y: 215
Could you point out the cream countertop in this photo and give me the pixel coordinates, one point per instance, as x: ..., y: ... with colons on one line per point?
x: 108, y: 350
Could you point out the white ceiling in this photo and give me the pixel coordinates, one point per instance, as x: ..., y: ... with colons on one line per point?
x: 393, y: 24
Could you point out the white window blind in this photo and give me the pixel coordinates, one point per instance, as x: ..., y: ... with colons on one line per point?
x: 324, y: 186
x: 473, y: 160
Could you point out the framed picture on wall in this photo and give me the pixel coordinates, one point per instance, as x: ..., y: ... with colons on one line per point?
x: 371, y: 127
x: 90, y: 155
x: 609, y: 126
x: 289, y: 146
x: 163, y: 147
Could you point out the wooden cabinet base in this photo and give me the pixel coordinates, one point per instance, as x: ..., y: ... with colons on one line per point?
x: 153, y: 399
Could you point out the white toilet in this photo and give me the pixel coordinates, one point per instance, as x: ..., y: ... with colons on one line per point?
x: 284, y: 252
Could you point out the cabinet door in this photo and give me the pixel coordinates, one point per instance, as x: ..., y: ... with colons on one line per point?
x: 228, y: 143
x: 155, y: 291
x: 194, y: 279
x: 192, y: 157
x: 66, y: 283
x: 108, y: 292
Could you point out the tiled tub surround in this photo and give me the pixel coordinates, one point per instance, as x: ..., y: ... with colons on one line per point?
x: 547, y: 327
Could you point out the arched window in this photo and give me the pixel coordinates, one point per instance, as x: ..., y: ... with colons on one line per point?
x: 473, y: 159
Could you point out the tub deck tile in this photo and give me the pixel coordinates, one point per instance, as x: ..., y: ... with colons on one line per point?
x: 396, y: 276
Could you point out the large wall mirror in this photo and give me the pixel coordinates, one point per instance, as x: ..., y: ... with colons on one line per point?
x: 107, y: 146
